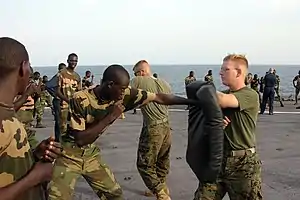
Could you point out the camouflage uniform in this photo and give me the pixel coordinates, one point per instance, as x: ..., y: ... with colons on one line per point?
x: 86, y: 83
x: 68, y: 83
x: 16, y: 156
x: 241, y: 169
x: 86, y: 109
x: 208, y: 78
x: 43, y: 99
x: 277, y: 90
x: 189, y: 79
x: 153, y: 156
x: 25, y: 115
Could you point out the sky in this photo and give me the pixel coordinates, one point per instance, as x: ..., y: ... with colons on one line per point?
x: 160, y: 31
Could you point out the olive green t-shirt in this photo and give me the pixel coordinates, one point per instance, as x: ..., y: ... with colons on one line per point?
x: 152, y: 111
x: 240, y: 133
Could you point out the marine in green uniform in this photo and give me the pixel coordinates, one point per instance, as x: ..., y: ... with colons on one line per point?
x: 255, y: 86
x: 153, y: 156
x: 240, y: 176
x: 277, y: 90
x: 21, y: 172
x: 208, y: 77
x: 68, y: 83
x: 92, y: 111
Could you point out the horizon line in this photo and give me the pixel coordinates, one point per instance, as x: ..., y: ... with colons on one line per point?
x: 94, y: 65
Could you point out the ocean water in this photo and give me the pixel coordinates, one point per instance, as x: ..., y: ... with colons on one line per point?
x: 175, y: 74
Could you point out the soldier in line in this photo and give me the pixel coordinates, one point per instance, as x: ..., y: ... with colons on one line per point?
x: 248, y: 80
x: 92, y: 111
x: 22, y: 172
x: 296, y: 84
x: 277, y: 91
x: 241, y: 172
x: 269, y: 92
x: 254, y: 85
x: 25, y: 108
x: 153, y: 156
x: 38, y: 107
x: 189, y: 79
x: 61, y: 66
x: 69, y: 82
x: 86, y: 82
x: 208, y: 77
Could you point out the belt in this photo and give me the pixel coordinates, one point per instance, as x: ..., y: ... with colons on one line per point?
x: 238, y: 153
x: 156, y: 122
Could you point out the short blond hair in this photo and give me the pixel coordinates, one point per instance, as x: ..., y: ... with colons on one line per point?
x: 239, y: 58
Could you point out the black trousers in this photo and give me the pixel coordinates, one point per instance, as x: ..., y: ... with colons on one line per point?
x: 269, y: 94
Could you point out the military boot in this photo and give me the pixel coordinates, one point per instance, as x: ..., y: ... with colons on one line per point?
x: 39, y: 124
x: 162, y: 195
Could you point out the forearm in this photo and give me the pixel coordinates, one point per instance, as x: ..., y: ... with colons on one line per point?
x: 61, y: 96
x: 19, y: 103
x: 16, y: 189
x: 169, y: 99
x: 89, y: 135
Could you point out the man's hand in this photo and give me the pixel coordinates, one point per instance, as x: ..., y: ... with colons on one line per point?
x: 48, y: 150
x: 41, y: 172
x: 226, y: 121
x: 31, y: 89
x: 116, y: 110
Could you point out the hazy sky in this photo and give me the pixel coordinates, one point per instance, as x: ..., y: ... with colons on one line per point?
x: 161, y: 31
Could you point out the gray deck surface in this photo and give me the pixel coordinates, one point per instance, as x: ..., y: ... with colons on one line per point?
x: 278, y: 145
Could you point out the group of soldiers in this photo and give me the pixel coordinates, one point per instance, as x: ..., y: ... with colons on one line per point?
x: 50, y: 169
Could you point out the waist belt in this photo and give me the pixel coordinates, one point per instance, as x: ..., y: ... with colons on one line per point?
x: 156, y: 122
x: 238, y: 153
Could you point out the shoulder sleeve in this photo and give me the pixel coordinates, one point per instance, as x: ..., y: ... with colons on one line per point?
x: 59, y: 79
x: 6, y: 136
x: 247, y: 98
x: 77, y: 112
x: 135, y: 97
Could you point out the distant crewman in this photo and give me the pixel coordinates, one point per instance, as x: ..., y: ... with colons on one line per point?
x: 208, y: 77
x: 254, y: 85
x: 189, y: 79
x: 277, y: 91
x: 87, y: 80
x: 269, y: 91
x: 296, y: 83
x: 248, y: 80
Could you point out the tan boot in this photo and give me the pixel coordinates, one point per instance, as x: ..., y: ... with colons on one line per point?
x: 148, y: 193
x: 167, y: 191
x: 161, y: 195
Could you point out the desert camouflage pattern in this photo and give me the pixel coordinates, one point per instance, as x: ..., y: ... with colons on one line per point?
x: 240, y: 178
x: 189, y: 80
x: 25, y: 116
x: 15, y: 154
x: 86, y: 109
x: 69, y: 84
x: 209, y: 78
x: 40, y: 104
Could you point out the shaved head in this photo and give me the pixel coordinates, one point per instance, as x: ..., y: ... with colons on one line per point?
x: 12, y: 55
x: 142, y: 68
x: 116, y: 73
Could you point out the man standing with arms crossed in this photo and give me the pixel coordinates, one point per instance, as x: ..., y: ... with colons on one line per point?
x: 153, y: 154
x: 241, y: 171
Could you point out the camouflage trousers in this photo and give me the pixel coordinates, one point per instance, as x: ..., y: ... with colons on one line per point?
x: 240, y: 177
x: 64, y: 114
x: 39, y: 110
x: 26, y: 117
x: 85, y: 162
x: 153, y: 162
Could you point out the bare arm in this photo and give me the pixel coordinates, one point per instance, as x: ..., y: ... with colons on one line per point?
x: 15, y: 190
x: 169, y: 99
x: 227, y: 100
x: 19, y: 103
